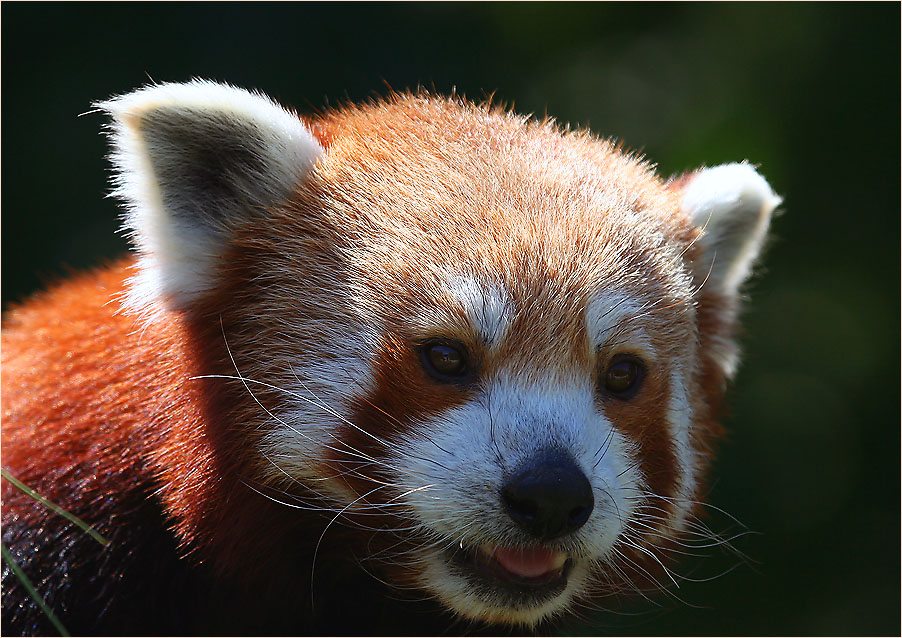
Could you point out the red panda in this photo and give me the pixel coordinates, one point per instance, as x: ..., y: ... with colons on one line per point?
x: 415, y: 366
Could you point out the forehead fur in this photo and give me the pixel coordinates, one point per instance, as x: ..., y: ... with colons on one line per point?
x: 488, y: 166
x: 432, y: 189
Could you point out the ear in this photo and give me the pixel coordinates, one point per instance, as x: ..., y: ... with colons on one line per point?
x: 192, y: 161
x: 732, y: 205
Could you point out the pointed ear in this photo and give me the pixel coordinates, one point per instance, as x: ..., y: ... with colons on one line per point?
x: 192, y: 161
x: 732, y: 205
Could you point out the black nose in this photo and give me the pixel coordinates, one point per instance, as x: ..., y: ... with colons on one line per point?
x: 549, y: 496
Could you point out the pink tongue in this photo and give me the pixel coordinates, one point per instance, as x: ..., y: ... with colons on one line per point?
x: 526, y: 562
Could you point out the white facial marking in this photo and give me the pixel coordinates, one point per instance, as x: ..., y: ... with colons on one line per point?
x: 319, y: 395
x: 464, y: 457
x: 679, y: 418
x: 488, y: 307
x: 609, y: 315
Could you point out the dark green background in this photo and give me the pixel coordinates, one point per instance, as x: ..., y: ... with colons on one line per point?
x: 808, y: 91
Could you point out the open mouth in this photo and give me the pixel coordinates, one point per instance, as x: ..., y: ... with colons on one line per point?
x: 521, y: 575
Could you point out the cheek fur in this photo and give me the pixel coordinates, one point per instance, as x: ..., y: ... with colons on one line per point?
x: 402, y: 395
x: 644, y: 420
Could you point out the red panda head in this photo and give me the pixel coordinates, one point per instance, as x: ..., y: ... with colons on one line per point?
x: 495, y: 346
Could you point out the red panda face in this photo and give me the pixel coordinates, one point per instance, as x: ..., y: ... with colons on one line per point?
x: 500, y: 344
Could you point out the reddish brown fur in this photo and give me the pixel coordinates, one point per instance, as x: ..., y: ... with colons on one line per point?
x: 64, y: 413
x: 69, y: 421
x: 413, y: 188
x: 403, y: 392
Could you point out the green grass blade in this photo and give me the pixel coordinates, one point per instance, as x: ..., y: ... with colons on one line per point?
x: 53, y: 506
x: 26, y: 583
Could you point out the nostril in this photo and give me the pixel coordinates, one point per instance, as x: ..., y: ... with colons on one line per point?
x: 579, y: 515
x: 520, y: 504
x: 549, y: 496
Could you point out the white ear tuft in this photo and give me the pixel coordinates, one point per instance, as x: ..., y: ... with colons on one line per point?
x: 192, y: 161
x: 732, y: 204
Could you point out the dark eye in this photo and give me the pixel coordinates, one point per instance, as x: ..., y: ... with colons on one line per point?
x: 623, y: 376
x: 445, y: 361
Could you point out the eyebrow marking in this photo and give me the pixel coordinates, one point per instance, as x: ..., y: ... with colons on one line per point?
x: 607, y: 318
x: 487, y: 306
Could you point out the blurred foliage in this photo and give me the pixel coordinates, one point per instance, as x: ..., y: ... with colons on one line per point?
x: 809, y: 91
